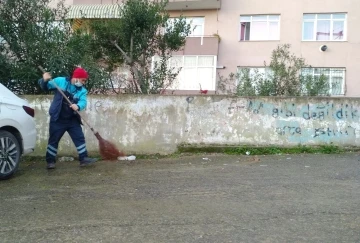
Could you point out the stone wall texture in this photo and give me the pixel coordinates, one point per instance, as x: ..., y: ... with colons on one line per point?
x: 158, y: 124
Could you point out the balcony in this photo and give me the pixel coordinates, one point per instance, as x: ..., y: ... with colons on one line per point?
x: 203, y: 45
x: 193, y: 5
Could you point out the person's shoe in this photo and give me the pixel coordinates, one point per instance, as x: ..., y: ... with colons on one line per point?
x: 50, y: 166
x: 87, y: 161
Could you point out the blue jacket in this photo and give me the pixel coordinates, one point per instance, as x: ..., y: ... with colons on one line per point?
x: 59, y: 106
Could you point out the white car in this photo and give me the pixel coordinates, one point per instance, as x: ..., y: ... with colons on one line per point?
x: 17, y: 131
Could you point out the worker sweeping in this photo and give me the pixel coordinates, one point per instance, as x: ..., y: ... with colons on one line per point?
x: 65, y: 117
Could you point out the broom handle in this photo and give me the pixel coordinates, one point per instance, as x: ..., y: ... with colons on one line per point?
x: 67, y: 99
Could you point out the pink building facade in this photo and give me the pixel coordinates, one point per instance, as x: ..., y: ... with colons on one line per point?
x: 232, y: 34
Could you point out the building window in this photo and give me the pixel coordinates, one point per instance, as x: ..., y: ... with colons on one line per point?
x: 334, y: 76
x: 264, y: 72
x: 255, y: 74
x: 194, y: 71
x: 196, y: 25
x: 259, y: 27
x: 324, y: 27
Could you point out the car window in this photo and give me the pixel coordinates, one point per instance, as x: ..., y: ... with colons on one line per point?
x: 5, y: 92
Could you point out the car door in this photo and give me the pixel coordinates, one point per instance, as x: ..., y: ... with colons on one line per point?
x: 10, y: 132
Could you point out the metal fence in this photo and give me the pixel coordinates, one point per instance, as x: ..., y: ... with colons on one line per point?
x: 335, y: 78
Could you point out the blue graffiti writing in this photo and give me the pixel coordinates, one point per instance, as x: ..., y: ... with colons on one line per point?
x: 332, y: 132
x: 288, y: 130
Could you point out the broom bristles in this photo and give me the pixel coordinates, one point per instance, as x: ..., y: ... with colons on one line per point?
x: 108, y: 151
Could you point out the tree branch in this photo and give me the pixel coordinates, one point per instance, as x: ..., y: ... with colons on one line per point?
x: 131, y: 47
x: 130, y: 62
x: 128, y: 59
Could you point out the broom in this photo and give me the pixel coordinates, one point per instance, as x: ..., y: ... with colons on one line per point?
x: 108, y: 150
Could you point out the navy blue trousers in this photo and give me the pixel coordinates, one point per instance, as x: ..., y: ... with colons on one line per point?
x: 57, y: 130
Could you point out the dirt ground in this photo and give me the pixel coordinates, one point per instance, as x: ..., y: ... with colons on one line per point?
x: 202, y: 198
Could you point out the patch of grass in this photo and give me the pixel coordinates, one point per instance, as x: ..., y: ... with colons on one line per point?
x: 232, y: 150
x: 330, y: 149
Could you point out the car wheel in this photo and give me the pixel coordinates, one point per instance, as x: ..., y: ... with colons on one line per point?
x: 10, y: 152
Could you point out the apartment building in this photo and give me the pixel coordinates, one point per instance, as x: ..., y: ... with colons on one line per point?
x: 232, y: 34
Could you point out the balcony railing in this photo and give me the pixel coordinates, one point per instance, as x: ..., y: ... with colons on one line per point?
x: 202, y: 45
x: 193, y: 4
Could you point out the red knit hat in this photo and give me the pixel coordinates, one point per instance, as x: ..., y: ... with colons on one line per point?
x: 80, y: 73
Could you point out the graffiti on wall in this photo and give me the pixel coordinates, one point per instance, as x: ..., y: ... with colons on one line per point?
x: 322, y: 121
x: 321, y: 111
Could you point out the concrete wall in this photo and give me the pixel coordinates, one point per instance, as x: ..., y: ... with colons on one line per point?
x: 157, y: 124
